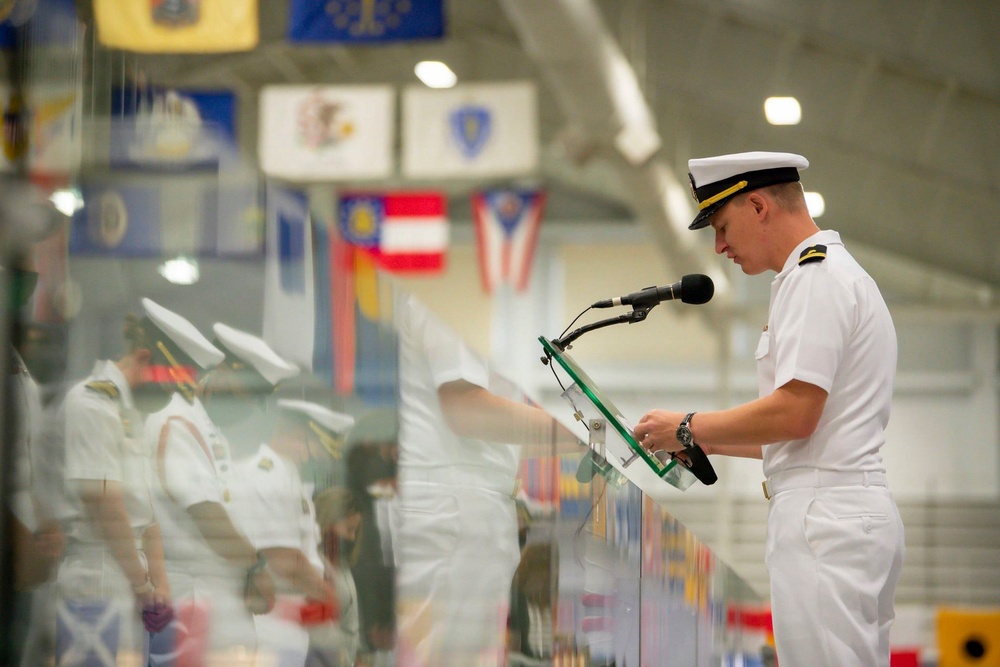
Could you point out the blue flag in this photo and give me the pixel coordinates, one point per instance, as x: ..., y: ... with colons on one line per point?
x: 171, y: 128
x: 365, y: 21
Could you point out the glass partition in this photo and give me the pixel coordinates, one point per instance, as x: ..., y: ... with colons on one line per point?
x: 233, y: 439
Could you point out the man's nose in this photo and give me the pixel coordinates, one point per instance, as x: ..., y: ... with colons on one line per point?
x: 720, y: 243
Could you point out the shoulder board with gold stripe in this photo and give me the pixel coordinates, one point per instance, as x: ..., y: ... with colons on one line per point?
x: 265, y: 463
x: 814, y: 253
x: 106, y: 387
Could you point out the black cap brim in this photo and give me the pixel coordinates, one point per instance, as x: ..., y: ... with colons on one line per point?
x: 704, y: 217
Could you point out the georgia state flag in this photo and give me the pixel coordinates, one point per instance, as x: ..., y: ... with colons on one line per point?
x: 507, y: 223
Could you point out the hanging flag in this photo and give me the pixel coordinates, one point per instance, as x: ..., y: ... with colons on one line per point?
x: 507, y: 223
x: 177, y: 26
x: 171, y: 128
x: 320, y: 133
x: 207, y: 218
x: 470, y: 130
x: 55, y: 133
x: 289, y: 301
x: 405, y: 232
x: 366, y: 21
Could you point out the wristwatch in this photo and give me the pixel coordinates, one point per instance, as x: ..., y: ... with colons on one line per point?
x: 684, y: 434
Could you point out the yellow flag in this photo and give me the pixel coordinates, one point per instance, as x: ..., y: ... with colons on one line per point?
x: 177, y: 26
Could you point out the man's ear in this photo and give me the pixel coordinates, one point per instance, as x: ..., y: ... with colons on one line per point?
x: 758, y: 202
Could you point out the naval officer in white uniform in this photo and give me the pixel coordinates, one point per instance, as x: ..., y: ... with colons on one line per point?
x: 826, y: 365
x: 217, y: 577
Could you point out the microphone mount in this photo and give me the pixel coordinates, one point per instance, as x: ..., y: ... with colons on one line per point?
x: 565, y: 342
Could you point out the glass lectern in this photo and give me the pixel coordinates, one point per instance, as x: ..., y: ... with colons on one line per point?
x: 613, y: 448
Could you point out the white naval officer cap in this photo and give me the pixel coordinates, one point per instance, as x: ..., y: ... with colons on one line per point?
x: 182, y: 334
x: 254, y: 352
x: 337, y: 423
x: 329, y: 427
x: 714, y: 180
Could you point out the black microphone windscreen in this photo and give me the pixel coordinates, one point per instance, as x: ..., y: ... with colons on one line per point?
x: 697, y: 288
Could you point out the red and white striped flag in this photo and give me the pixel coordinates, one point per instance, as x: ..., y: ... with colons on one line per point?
x: 405, y: 232
x: 507, y: 223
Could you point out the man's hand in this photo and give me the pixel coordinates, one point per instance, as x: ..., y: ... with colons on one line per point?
x: 259, y: 594
x: 657, y: 430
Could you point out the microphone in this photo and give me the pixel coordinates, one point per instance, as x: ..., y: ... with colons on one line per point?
x: 693, y: 288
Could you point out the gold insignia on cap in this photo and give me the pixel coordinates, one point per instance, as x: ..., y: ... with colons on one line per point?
x: 814, y: 253
x: 722, y: 195
x: 330, y: 443
x: 106, y: 387
x: 694, y: 188
x: 265, y: 464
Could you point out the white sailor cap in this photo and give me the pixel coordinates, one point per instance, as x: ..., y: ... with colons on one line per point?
x: 254, y: 352
x: 182, y: 334
x: 714, y: 180
x: 337, y: 423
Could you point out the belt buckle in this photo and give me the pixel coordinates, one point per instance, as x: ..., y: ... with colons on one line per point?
x: 767, y: 493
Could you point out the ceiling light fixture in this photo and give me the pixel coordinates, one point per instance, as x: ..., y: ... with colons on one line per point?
x: 180, y: 270
x: 782, y: 111
x: 67, y: 201
x: 435, y: 74
x: 815, y: 204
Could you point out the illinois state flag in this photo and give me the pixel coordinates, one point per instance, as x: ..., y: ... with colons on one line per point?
x: 177, y: 26
x: 471, y: 130
x: 405, y: 232
x: 507, y: 223
x: 364, y: 22
x: 320, y: 133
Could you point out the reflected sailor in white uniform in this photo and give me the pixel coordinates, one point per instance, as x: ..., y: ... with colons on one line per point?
x: 114, y: 557
x: 217, y: 577
x: 455, y: 524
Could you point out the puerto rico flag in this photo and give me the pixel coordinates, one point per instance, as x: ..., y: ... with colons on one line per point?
x: 507, y: 223
x: 405, y: 232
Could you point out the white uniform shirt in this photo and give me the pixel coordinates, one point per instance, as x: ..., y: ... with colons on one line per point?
x: 192, y: 465
x: 103, y: 442
x: 274, y: 506
x: 828, y: 326
x: 431, y: 355
x: 27, y: 402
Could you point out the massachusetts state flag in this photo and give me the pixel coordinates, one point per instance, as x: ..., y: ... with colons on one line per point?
x: 366, y: 21
x: 507, y: 223
x: 405, y: 232
x: 471, y: 130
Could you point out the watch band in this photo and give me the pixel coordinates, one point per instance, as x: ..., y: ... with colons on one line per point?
x: 685, y: 427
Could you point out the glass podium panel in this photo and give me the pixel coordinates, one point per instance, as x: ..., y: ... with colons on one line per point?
x: 620, y: 448
x: 420, y: 536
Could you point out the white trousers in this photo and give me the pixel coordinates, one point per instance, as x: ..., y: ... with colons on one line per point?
x: 456, y: 550
x: 834, y: 556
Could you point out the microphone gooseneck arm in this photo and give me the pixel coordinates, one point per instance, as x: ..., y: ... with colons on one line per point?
x: 637, y: 315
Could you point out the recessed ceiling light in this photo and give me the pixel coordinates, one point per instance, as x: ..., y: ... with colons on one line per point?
x: 782, y: 111
x: 67, y: 201
x: 435, y: 74
x: 180, y: 270
x: 815, y: 204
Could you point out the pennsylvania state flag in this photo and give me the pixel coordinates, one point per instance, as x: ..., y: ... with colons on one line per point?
x: 364, y: 21
x: 177, y: 26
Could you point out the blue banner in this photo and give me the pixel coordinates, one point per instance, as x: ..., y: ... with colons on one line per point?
x: 45, y: 22
x: 171, y: 128
x: 126, y: 219
x: 366, y: 21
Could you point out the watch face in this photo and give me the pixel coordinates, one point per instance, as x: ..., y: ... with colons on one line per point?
x: 684, y: 436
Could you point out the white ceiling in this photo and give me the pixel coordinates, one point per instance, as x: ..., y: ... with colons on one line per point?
x: 900, y: 98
